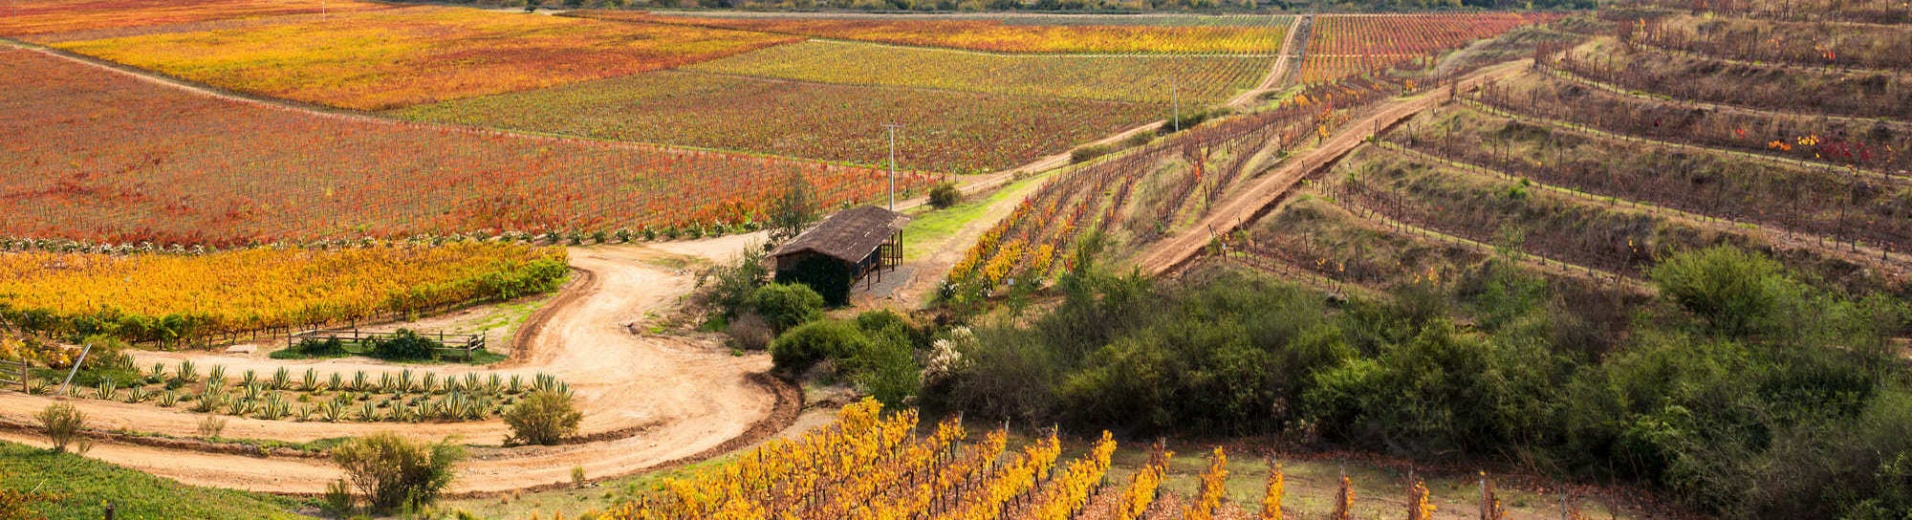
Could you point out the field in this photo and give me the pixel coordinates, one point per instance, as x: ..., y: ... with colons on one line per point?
x: 1342, y: 46
x: 153, y: 297
x: 40, y: 18
x: 1237, y: 35
x: 415, y: 55
x: 194, y: 169
x: 1135, y: 197
x: 945, y: 131
x: 1195, y: 80
x: 1616, y: 155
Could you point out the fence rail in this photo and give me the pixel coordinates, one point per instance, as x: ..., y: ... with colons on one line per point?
x: 13, y: 375
x: 464, y: 345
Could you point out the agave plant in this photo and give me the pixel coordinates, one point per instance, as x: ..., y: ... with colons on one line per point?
x: 158, y: 375
x: 310, y: 382
x: 253, y: 391
x: 430, y: 382
x: 137, y: 394
x: 108, y: 390
x: 281, y: 379
x: 38, y: 387
x: 305, y: 413
x: 404, y: 382
x: 209, y: 401
x: 358, y: 381
x: 367, y: 413
x: 494, y: 384
x: 332, y: 411
x: 241, y: 407
x: 471, y: 382
x: 248, y: 378
x: 336, y: 382
x: 516, y: 386
x: 187, y: 373
x: 274, y: 407
x: 216, y: 378
x: 168, y: 398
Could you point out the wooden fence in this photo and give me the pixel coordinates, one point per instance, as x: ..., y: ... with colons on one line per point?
x: 462, y: 345
x: 13, y: 375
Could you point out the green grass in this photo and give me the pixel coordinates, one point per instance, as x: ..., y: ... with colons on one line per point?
x: 927, y: 231
x: 574, y: 501
x: 84, y: 485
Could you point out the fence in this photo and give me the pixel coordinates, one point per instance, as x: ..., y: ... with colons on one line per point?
x: 463, y: 345
x: 13, y: 375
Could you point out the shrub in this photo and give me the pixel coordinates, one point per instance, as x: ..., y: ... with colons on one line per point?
x: 545, y: 417
x: 751, y: 332
x: 726, y: 288
x: 944, y: 195
x: 211, y: 426
x: 786, y: 306
x: 805, y: 346
x: 1088, y: 153
x: 314, y: 347
x: 392, y: 474
x: 405, y: 345
x: 63, y: 423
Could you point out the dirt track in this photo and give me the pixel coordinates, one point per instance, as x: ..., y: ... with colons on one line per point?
x: 658, y: 398
x: 1164, y: 255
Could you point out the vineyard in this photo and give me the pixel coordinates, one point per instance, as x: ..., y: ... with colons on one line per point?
x: 153, y: 297
x: 42, y: 18
x: 1343, y: 46
x: 868, y: 465
x: 1141, y: 195
x: 943, y: 130
x: 1196, y: 80
x: 1612, y: 155
x: 1256, y: 35
x: 417, y: 54
x: 193, y: 169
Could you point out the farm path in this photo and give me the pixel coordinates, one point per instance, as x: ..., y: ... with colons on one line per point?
x: 1166, y: 254
x: 648, y: 400
x: 1283, y: 60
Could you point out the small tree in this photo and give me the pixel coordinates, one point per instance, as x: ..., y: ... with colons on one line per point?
x: 545, y: 417
x: 795, y: 210
x: 63, y: 423
x: 393, y: 474
x: 786, y: 306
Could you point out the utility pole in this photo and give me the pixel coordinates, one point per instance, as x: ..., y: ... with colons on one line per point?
x: 892, y: 127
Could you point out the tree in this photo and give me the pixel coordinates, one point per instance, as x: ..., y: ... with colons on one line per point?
x: 795, y: 210
x: 544, y: 418
x: 1735, y: 291
x: 393, y: 474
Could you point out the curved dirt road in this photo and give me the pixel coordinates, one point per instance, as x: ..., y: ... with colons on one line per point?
x: 657, y: 398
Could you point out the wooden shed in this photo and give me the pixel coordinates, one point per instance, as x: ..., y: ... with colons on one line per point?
x: 857, y: 242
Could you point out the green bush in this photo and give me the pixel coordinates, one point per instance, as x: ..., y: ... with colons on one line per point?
x: 393, y: 475
x: 785, y: 306
x: 803, y: 347
x: 405, y: 345
x: 1088, y: 153
x: 944, y: 195
x: 545, y: 417
x: 320, y: 348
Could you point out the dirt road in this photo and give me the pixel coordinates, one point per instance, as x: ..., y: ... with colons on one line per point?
x: 1166, y: 254
x: 658, y: 398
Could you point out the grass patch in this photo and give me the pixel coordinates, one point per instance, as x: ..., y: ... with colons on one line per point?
x: 481, y: 357
x: 85, y: 485
x: 927, y: 232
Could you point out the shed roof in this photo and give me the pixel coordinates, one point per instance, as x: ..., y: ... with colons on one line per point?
x: 849, y: 235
